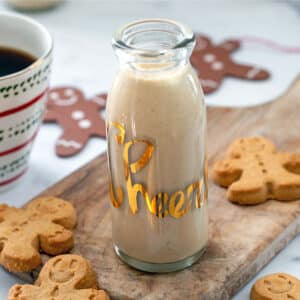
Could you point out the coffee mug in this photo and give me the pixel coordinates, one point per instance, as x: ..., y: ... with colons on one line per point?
x: 22, y: 94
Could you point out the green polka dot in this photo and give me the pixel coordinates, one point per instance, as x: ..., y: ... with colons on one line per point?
x: 18, y: 88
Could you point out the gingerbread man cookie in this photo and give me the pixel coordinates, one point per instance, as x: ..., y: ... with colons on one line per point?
x: 45, y: 224
x: 255, y: 171
x: 213, y: 63
x: 64, y: 277
x: 79, y: 117
x: 278, y: 286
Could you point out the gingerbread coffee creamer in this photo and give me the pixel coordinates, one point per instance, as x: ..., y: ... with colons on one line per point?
x: 156, y: 122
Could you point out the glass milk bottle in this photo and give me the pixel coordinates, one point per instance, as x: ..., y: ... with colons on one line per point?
x: 156, y: 130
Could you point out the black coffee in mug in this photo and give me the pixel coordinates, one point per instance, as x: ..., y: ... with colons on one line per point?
x: 14, y: 60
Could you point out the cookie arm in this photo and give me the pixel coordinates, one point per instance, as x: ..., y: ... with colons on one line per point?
x: 100, y: 130
x: 3, y: 208
x: 210, y: 80
x: 100, y: 100
x: 50, y: 116
x: 249, y: 189
x: 70, y: 143
x: 291, y: 162
x: 7, y: 211
x: 55, y: 239
x: 230, y: 45
x: 202, y: 42
x: 227, y: 171
x: 27, y: 291
x: 86, y: 294
x: 246, y: 72
x: 20, y: 254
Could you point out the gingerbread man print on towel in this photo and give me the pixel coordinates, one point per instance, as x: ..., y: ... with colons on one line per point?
x: 213, y: 63
x: 79, y: 118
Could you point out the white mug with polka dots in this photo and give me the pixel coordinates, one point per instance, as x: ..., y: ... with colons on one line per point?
x: 22, y: 94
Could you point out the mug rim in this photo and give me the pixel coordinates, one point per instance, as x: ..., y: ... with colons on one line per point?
x: 41, y: 58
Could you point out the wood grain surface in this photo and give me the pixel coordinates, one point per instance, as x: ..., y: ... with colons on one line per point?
x: 242, y: 239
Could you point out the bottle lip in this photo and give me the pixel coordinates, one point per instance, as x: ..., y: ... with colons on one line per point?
x: 122, y: 37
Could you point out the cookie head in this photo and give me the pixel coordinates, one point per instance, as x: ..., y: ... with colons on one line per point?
x: 69, y: 270
x: 276, y: 286
x: 64, y: 97
x: 54, y: 209
x: 251, y: 145
x: 64, y: 270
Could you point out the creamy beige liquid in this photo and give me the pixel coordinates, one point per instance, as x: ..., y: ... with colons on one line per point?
x: 165, y: 107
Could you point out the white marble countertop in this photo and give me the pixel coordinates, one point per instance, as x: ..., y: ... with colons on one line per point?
x: 82, y: 31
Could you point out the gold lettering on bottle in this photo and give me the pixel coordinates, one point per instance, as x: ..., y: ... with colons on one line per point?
x: 161, y: 205
x: 176, y: 206
x: 205, y: 180
x: 117, y: 198
x: 132, y: 168
x: 121, y: 136
x: 116, y: 201
x: 195, y: 188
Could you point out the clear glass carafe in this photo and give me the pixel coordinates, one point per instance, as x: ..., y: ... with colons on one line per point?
x: 156, y: 130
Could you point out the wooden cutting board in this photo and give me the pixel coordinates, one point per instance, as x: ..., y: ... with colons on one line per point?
x: 242, y: 239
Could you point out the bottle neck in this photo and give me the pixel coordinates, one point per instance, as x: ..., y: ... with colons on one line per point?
x: 154, y: 45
